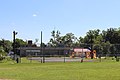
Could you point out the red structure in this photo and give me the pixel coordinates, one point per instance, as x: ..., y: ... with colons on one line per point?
x: 83, y: 52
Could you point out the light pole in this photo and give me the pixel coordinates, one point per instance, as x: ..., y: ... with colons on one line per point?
x: 14, y: 33
x: 14, y: 50
x: 43, y: 56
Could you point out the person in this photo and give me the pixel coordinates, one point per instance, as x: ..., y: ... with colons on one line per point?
x: 81, y: 60
x: 17, y: 60
x: 82, y: 56
x: 99, y: 57
x: 116, y: 56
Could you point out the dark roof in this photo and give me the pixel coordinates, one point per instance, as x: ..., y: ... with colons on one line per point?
x: 46, y: 48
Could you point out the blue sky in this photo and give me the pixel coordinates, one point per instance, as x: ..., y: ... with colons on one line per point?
x: 29, y: 17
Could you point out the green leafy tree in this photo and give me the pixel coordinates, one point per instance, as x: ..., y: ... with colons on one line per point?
x: 113, y: 49
x: 6, y: 44
x: 97, y: 44
x: 113, y: 35
x: 106, y: 47
x: 68, y: 39
x: 20, y: 43
x: 2, y: 53
x: 56, y: 39
x: 91, y: 35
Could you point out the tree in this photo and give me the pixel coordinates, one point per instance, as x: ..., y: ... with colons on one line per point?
x: 81, y: 40
x: 97, y: 44
x: 43, y: 45
x: 113, y: 35
x: 36, y: 42
x: 113, y: 49
x: 106, y: 47
x: 68, y: 39
x: 6, y: 44
x: 20, y: 43
x: 56, y: 39
x: 91, y: 35
x: 2, y: 53
x: 101, y: 42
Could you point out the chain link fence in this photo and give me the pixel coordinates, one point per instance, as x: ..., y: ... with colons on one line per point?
x: 104, y: 52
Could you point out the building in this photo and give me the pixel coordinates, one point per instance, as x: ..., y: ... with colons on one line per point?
x: 47, y: 51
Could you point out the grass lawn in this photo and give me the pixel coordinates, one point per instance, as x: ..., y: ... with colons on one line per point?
x: 109, y: 70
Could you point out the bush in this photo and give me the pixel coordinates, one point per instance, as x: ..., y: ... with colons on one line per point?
x: 117, y: 59
x: 2, y: 55
x: 1, y: 58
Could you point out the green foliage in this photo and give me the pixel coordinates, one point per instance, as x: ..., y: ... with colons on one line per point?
x: 91, y: 36
x: 55, y: 40
x: 1, y: 49
x: 2, y: 53
x: 69, y: 39
x: 60, y: 41
x: 6, y: 44
x: 102, y: 41
x: 20, y: 43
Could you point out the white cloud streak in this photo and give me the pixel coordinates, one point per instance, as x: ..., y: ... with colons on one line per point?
x: 34, y: 15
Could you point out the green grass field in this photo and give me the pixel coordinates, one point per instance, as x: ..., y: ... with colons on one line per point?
x: 109, y: 70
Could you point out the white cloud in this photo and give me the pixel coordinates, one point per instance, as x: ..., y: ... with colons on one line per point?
x: 34, y: 15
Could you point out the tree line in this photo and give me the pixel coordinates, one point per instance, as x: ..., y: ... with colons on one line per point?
x: 105, y: 41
